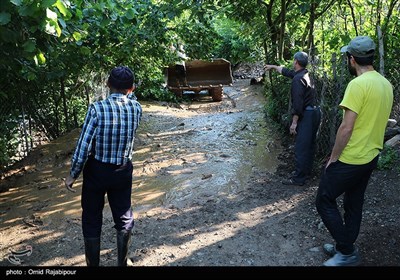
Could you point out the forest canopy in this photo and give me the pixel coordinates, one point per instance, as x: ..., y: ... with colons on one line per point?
x: 55, y: 54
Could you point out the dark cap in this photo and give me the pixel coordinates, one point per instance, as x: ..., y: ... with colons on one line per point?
x: 121, y: 77
x: 360, y: 46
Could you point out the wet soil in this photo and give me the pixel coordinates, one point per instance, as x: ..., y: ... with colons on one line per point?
x: 207, y: 192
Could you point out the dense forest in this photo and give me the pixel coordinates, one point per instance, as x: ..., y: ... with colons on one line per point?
x: 56, y: 54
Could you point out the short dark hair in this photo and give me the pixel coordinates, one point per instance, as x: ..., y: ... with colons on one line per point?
x: 362, y: 61
x: 302, y: 58
x: 121, y: 77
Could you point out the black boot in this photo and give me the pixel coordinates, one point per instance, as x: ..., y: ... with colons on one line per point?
x: 92, y: 251
x: 123, y: 243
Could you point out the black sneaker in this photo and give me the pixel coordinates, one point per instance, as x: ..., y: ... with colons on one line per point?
x: 292, y: 182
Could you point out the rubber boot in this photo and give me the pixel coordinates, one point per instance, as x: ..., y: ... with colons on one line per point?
x: 92, y: 251
x: 123, y: 243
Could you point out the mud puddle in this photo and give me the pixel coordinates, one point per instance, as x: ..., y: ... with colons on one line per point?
x: 185, y: 155
x: 189, y: 155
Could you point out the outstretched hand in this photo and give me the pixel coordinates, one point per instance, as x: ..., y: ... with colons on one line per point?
x: 69, y: 181
x: 274, y: 67
x: 269, y: 67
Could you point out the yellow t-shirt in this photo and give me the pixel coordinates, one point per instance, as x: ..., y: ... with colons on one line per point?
x: 370, y: 95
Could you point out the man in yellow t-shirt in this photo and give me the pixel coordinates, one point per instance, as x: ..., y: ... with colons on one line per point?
x: 366, y: 105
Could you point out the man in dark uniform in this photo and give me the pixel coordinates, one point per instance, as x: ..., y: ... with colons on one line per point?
x: 306, y: 117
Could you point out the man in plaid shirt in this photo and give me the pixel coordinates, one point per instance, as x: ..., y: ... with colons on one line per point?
x: 104, y: 153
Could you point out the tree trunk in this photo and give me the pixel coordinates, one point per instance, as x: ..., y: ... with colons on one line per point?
x: 381, y: 51
x: 64, y: 99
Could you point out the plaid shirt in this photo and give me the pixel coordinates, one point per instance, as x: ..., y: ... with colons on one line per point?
x: 108, y: 132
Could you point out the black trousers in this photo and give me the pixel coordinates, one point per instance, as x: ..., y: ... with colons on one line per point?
x: 305, y: 145
x: 100, y: 179
x: 351, y: 180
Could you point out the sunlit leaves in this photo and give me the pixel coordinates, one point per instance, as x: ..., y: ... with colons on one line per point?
x: 77, y: 36
x: 51, y: 15
x: 40, y: 58
x: 52, y: 26
x: 63, y: 10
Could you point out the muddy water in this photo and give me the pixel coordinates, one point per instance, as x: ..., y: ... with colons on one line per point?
x: 183, y: 157
x: 189, y: 155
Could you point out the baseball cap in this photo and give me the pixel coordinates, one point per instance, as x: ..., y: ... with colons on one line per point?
x: 121, y: 77
x: 360, y: 46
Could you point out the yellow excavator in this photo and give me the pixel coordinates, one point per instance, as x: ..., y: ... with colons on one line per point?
x: 200, y: 76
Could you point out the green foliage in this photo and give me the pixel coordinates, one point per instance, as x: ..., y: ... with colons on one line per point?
x: 9, y: 140
x: 277, y: 91
x: 388, y: 157
x: 236, y: 43
x: 3, y: 154
x: 55, y: 54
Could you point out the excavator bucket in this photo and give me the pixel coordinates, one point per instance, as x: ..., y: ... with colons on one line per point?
x: 200, y: 75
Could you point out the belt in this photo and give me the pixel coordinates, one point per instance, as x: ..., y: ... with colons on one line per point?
x: 311, y: 108
x: 125, y: 161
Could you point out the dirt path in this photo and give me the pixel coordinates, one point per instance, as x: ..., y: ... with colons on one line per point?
x: 206, y: 192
